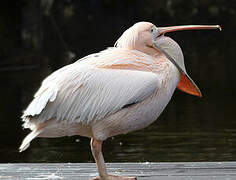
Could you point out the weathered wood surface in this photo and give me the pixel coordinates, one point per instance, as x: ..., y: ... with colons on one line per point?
x: 143, y: 171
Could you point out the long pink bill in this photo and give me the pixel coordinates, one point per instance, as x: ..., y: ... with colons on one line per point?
x: 164, y: 30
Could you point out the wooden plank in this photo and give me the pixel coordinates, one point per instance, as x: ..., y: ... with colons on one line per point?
x: 144, y: 171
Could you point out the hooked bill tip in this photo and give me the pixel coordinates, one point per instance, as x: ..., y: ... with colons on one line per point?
x: 219, y: 27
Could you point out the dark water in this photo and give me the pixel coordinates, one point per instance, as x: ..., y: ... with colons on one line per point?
x: 186, y: 131
x: 189, y: 129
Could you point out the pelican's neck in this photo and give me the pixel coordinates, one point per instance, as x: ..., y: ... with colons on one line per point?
x: 169, y: 76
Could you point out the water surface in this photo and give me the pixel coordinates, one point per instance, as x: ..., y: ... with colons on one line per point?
x: 190, y: 129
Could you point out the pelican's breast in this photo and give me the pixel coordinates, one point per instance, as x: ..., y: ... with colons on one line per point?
x: 141, y: 114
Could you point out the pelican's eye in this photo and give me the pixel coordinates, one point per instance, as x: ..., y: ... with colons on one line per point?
x: 152, y: 30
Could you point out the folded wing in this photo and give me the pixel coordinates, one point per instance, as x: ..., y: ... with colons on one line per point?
x: 82, y: 93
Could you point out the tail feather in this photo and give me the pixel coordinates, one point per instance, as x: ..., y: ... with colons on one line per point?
x: 26, y: 142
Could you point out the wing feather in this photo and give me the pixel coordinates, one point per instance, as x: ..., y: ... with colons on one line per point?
x: 83, y: 93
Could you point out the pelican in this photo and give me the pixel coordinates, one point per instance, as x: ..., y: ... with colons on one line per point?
x: 119, y: 90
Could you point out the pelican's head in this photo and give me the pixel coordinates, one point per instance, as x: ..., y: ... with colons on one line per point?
x: 148, y: 38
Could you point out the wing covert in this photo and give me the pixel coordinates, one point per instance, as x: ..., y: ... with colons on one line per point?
x: 83, y: 93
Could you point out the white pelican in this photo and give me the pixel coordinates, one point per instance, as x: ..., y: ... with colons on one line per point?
x: 116, y: 91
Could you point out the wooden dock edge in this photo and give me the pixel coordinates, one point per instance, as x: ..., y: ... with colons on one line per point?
x: 143, y: 171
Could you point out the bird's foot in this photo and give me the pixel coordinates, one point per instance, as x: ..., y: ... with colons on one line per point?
x: 113, y: 177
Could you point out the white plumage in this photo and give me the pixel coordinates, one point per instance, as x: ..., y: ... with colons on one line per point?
x: 113, y: 92
x: 83, y: 92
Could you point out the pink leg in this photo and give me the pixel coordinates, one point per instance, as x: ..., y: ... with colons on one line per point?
x: 96, y: 148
